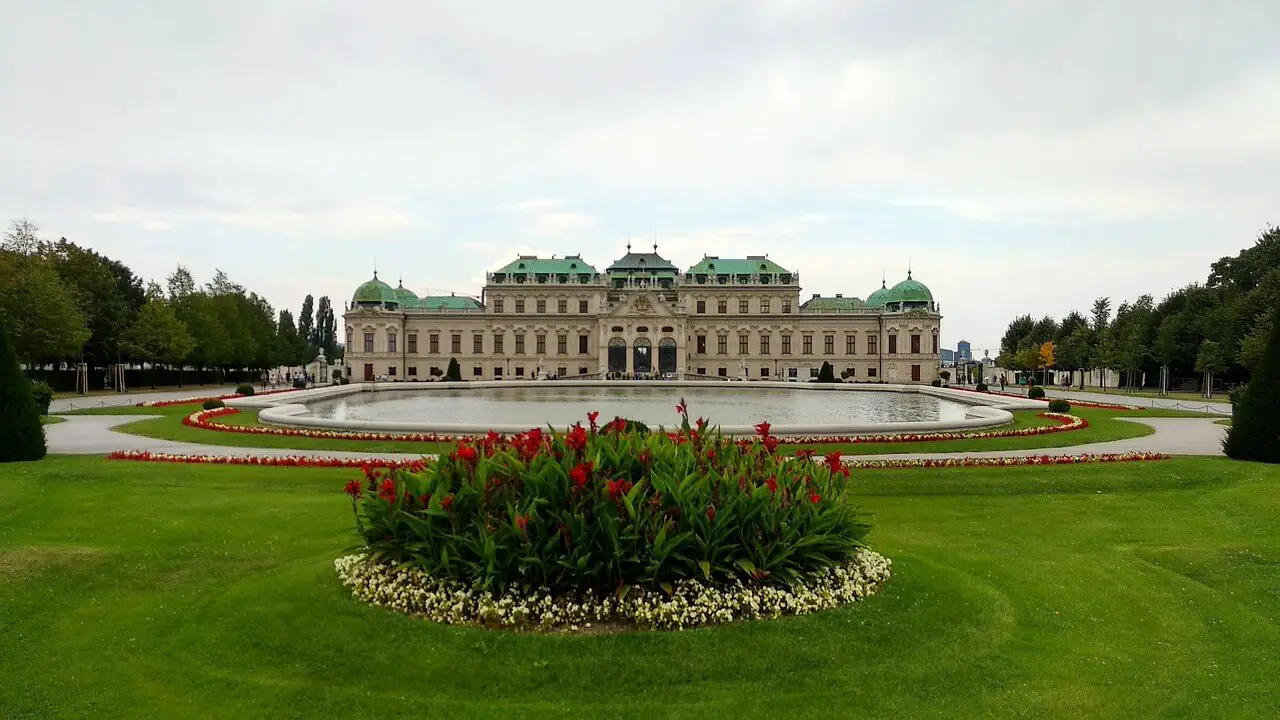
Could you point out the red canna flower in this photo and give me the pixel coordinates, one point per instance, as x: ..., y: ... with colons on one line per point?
x: 466, y: 453
x: 522, y: 523
x: 771, y: 443
x: 387, y: 490
x: 616, y: 425
x: 711, y: 513
x: 833, y: 461
x: 617, y: 488
x: 591, y: 418
x: 681, y: 407
x: 576, y: 438
x: 701, y: 424
x: 447, y: 502
x: 762, y: 429
x: 645, y: 458
x: 772, y: 484
x: 815, y: 498
x: 579, y: 475
x: 353, y: 488
x: 804, y: 454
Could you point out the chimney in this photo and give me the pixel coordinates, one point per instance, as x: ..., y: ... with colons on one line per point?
x: 816, y: 296
x: 839, y: 295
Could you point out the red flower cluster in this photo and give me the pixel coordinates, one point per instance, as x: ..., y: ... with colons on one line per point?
x: 618, y: 488
x: 579, y: 474
x: 311, y: 461
x: 353, y: 488
x: 576, y: 438
x: 387, y: 490
x: 189, y: 401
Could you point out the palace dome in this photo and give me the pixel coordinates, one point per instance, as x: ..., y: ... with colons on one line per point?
x: 375, y: 292
x: 909, y: 291
x: 406, y: 297
x: 878, y: 298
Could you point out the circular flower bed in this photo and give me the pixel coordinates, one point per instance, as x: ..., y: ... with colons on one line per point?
x: 690, y: 603
x: 204, y: 420
x: 709, y: 526
x: 204, y: 398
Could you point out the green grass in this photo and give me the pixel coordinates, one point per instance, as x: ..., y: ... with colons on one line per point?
x: 1137, y: 590
x: 1224, y: 421
x: 51, y: 419
x: 1104, y: 425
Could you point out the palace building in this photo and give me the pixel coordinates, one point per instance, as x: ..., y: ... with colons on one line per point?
x: 723, y: 318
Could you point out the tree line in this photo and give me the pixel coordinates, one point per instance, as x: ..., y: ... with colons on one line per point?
x: 63, y: 304
x: 1218, y: 328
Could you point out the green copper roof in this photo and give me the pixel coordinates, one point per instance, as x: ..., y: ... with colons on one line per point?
x: 375, y: 291
x: 831, y: 304
x: 450, y: 302
x: 750, y: 265
x: 878, y: 298
x: 641, y: 263
x: 533, y: 265
x: 406, y: 297
x: 909, y: 291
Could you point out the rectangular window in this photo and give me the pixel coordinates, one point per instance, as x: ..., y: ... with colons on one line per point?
x: 722, y: 371
x: 806, y: 347
x: 413, y: 343
x: 350, y: 342
x: 562, y: 306
x: 722, y: 306
x: 850, y: 344
x: 477, y: 371
x: 764, y: 372
x: 786, y: 344
x: 582, y: 369
x: 702, y: 371
x: 744, y: 306
x: 722, y: 344
x: 915, y: 344
x: 893, y: 344
x: 871, y: 372
x: 497, y: 305
x: 562, y: 344
x: 519, y: 371
x: 520, y: 344
x: 851, y: 370
x: 497, y: 372
x: 829, y: 345
x: 413, y: 371
x: 702, y: 306
x: 455, y: 344
x: 540, y: 344
x: 582, y: 307
x: 873, y: 345
x: 391, y: 342
x: 915, y: 373
x: 786, y: 306
x: 391, y: 371
x: 743, y: 342
x: 582, y: 345
x: 497, y: 343
x: 542, y: 305
x: 477, y: 344
x: 700, y: 344
x: 433, y: 343
x: 562, y: 371
x: 764, y: 306
x: 368, y: 342
x: 764, y: 343
x: 935, y: 343
x: 519, y: 305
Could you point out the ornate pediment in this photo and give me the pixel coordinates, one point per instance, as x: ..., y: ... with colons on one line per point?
x: 642, y: 305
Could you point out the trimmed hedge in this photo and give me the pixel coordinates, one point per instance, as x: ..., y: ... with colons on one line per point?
x: 1255, y: 425
x: 982, y: 387
x: 1058, y: 405
x: 1035, y: 392
x: 245, y: 389
x: 213, y: 404
x: 21, y: 435
x: 42, y: 393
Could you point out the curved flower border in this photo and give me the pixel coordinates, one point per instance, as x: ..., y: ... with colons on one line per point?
x: 690, y: 603
x: 191, y: 400
x: 202, y: 419
x: 1074, y: 403
x: 415, y: 465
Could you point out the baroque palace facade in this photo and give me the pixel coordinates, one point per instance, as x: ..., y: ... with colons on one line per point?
x: 723, y: 318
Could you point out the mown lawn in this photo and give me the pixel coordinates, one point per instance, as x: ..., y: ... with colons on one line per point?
x: 1104, y: 425
x: 1135, y: 590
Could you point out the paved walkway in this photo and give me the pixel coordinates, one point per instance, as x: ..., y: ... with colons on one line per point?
x: 92, y: 435
x: 133, y: 398
x: 1222, y: 407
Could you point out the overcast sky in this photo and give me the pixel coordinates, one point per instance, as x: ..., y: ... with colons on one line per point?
x: 1021, y: 156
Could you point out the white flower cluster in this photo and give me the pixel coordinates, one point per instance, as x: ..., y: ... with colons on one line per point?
x: 690, y: 604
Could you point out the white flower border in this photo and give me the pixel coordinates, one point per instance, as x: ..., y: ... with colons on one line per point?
x: 692, y: 603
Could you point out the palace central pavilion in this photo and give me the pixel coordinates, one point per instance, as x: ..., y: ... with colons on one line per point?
x: 732, y: 318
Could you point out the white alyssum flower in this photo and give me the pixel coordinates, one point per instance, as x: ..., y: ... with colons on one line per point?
x: 691, y: 603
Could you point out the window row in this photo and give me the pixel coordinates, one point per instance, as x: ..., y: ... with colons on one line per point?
x: 765, y: 342
x: 497, y: 344
x: 540, y: 306
x: 849, y: 372
x: 476, y: 371
x: 744, y: 306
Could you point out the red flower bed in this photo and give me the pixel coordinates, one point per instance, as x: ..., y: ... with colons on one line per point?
x: 418, y: 465
x: 1074, y: 403
x: 202, y: 418
x: 188, y: 401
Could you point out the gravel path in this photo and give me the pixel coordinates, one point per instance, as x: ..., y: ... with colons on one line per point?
x: 92, y: 435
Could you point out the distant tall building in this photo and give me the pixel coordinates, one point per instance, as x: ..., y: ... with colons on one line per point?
x: 964, y: 351
x: 948, y: 355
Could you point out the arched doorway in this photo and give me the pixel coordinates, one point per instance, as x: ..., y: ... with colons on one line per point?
x: 617, y: 355
x: 642, y: 360
x: 667, y: 355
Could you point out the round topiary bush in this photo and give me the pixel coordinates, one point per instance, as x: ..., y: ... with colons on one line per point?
x: 21, y: 436
x: 982, y: 387
x: 1035, y: 392
x: 611, y: 524
x: 299, y: 384
x: 935, y: 382
x: 244, y: 389
x: 1059, y: 405
x: 213, y: 404
x: 42, y: 393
